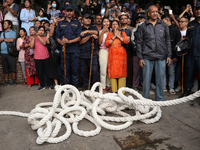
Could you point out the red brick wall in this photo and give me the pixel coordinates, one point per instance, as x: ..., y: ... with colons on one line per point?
x: 19, y: 74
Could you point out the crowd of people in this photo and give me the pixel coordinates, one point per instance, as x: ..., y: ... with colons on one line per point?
x: 101, y: 41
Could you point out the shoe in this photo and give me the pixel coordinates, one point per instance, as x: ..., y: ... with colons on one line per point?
x: 6, y: 83
x: 136, y: 89
x: 104, y: 91
x: 151, y: 93
x: 13, y: 83
x: 186, y: 93
x: 178, y: 89
x: 28, y: 86
x: 171, y: 91
x: 108, y: 89
x: 41, y: 88
x: 51, y: 87
x: 56, y: 87
x: 153, y: 86
x: 165, y: 90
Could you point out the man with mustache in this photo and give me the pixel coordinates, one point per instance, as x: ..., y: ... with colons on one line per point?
x: 154, y: 51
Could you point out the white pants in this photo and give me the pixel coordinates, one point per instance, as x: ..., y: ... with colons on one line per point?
x: 103, y: 62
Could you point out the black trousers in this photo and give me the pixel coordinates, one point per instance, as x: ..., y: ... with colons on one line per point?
x: 85, y: 70
x: 42, y: 67
x: 129, y: 71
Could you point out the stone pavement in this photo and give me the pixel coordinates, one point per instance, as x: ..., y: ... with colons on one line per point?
x: 178, y: 128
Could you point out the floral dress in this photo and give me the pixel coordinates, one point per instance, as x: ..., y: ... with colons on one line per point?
x: 29, y: 59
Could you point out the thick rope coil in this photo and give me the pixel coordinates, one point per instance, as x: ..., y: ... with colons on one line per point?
x: 71, y: 106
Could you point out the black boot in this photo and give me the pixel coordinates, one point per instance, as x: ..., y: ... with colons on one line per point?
x: 186, y: 93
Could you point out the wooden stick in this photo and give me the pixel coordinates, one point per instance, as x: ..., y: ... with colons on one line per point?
x: 91, y: 64
x: 65, y: 72
x: 182, y: 72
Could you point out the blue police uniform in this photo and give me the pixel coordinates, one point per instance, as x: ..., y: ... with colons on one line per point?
x: 192, y: 59
x: 85, y: 57
x: 70, y: 30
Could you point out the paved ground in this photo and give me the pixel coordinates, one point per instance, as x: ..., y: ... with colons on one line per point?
x: 178, y: 129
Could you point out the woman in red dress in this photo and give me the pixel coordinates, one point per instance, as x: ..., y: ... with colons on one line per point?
x: 117, y: 57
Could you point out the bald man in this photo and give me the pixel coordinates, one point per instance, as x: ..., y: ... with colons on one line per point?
x: 154, y: 51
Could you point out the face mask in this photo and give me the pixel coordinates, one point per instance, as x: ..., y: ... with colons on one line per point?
x: 54, y: 5
x: 139, y: 24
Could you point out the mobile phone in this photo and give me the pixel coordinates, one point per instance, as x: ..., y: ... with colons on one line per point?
x: 142, y: 11
x: 188, y: 5
x: 49, y: 2
x: 48, y: 30
x: 170, y: 12
x: 35, y: 29
x: 56, y: 15
x: 166, y: 7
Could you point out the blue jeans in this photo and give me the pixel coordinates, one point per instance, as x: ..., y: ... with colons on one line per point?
x: 160, y: 66
x: 171, y: 72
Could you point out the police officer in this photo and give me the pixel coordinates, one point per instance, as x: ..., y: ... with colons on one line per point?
x: 70, y: 29
x: 192, y: 59
x: 88, y: 32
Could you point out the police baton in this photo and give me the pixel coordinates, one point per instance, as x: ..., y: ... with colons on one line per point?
x: 91, y: 64
x: 65, y: 72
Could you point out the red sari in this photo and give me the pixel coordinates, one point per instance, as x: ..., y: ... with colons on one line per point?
x: 117, y: 57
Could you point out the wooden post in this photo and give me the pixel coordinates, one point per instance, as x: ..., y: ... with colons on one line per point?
x: 182, y: 72
x: 65, y: 72
x: 91, y: 64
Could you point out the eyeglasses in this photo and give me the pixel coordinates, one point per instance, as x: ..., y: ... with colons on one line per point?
x: 182, y: 21
x: 124, y: 18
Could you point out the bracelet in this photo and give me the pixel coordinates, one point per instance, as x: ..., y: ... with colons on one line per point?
x: 112, y: 39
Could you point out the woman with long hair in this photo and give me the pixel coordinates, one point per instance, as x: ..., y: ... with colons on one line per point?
x: 21, y: 58
x: 103, y: 55
x: 31, y: 73
x: 52, y: 9
x: 42, y: 15
x: 27, y: 16
x: 117, y: 57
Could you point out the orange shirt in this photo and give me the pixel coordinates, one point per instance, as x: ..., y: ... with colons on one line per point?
x: 117, y: 57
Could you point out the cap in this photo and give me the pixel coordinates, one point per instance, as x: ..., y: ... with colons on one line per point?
x: 140, y: 16
x: 87, y: 16
x: 69, y: 6
x: 198, y: 5
x: 123, y: 14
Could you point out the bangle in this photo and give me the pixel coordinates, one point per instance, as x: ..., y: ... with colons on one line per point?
x: 112, y: 39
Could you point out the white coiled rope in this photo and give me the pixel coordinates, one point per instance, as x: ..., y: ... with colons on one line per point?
x: 71, y: 106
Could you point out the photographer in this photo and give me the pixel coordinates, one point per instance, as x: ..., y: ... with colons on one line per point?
x: 112, y: 11
x: 52, y: 9
x: 91, y: 8
x: 188, y: 11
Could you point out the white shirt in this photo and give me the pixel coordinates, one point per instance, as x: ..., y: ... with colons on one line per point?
x: 183, y: 33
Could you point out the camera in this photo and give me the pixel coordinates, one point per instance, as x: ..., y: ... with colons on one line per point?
x: 188, y: 5
x: 166, y: 7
